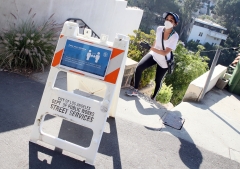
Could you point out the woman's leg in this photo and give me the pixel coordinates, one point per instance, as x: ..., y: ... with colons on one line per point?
x: 144, y: 63
x: 160, y: 74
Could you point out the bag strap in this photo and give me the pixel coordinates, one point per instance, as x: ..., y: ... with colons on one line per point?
x: 164, y: 47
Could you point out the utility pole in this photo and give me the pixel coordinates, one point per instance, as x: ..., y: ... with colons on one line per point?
x: 210, y: 74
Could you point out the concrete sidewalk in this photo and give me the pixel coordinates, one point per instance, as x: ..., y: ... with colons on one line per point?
x: 129, y: 141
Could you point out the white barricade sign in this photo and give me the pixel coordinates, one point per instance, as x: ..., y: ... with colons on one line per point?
x: 86, y: 60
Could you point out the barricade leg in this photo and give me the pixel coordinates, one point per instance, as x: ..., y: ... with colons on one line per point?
x: 35, y: 135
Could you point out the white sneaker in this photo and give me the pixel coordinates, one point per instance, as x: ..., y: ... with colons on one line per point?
x: 132, y: 92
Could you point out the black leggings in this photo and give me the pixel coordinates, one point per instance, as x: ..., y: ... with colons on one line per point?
x: 144, y: 63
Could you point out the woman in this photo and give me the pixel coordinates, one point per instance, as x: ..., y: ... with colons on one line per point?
x: 157, y: 54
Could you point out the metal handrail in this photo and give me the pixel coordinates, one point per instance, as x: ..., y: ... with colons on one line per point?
x: 83, y: 26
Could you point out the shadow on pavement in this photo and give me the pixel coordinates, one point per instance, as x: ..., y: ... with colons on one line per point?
x: 190, y: 155
x: 57, y: 160
x: 153, y: 106
x: 227, y: 123
x: 109, y: 146
x: 213, y: 97
x: 19, y: 101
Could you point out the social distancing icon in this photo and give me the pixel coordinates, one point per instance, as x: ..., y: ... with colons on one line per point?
x: 93, y: 66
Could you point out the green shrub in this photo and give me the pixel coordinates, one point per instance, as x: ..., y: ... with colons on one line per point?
x: 165, y: 94
x: 136, y: 52
x: 28, y: 45
x: 189, y: 66
x: 192, y: 45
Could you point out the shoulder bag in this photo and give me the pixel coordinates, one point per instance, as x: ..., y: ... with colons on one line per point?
x: 170, y: 63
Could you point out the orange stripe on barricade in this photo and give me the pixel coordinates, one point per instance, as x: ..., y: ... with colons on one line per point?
x: 57, y: 58
x: 76, y: 72
x: 61, y: 36
x: 112, y: 77
x: 86, y: 41
x: 116, y: 52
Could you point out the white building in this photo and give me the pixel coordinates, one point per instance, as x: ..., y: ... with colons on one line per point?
x: 203, y: 31
x: 103, y: 17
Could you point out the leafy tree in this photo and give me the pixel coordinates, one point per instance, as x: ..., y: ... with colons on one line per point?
x: 186, y: 11
x: 155, y: 6
x: 225, y: 57
x: 228, y: 15
x: 153, y: 11
x: 208, y: 8
x: 228, y: 12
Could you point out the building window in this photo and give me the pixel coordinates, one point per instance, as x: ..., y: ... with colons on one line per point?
x: 198, y: 41
x: 206, y: 26
x: 198, y: 24
x: 200, y: 34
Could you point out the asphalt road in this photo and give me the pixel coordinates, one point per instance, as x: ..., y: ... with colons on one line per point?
x: 124, y: 144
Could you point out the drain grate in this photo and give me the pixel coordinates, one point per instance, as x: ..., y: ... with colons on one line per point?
x: 174, y: 121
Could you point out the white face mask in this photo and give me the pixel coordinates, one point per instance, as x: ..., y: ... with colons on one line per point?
x: 168, y: 24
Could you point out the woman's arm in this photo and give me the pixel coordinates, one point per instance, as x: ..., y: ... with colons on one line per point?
x: 154, y: 43
x: 161, y: 52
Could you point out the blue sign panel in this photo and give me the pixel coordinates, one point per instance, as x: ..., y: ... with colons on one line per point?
x: 86, y: 57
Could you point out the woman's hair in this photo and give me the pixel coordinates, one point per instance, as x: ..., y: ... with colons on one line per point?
x: 175, y: 16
